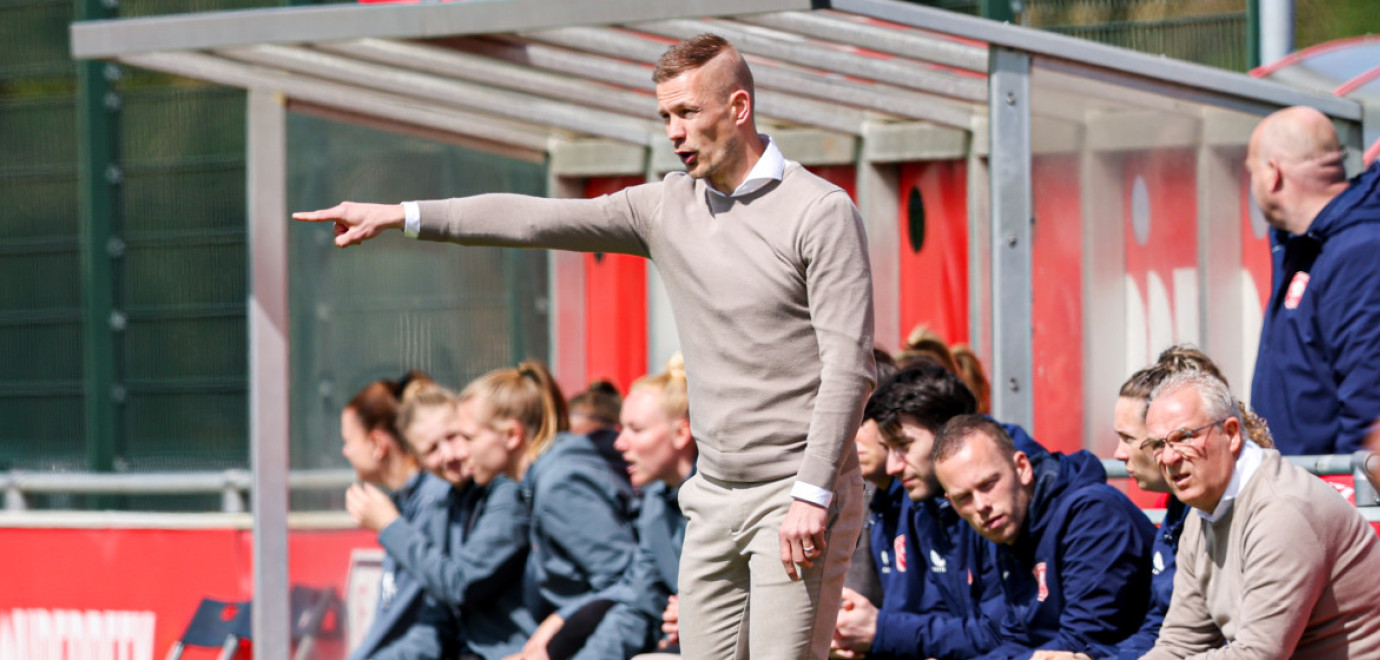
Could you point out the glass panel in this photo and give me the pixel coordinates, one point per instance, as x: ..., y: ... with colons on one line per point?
x: 1143, y: 239
x: 397, y: 304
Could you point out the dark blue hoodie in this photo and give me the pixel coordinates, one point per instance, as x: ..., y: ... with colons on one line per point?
x: 885, y: 513
x: 1161, y: 585
x: 951, y: 600
x: 1317, y: 375
x: 1078, y: 576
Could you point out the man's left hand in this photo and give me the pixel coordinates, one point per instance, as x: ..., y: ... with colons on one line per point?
x: 1059, y: 655
x: 802, y: 536
x: 370, y: 507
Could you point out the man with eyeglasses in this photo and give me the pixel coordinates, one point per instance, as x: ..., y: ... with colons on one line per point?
x: 1274, y: 564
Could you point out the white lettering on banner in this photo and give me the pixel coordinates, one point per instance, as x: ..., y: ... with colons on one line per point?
x: 41, y: 634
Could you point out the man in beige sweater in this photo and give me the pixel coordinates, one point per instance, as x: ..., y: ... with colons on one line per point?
x: 1273, y: 563
x: 767, y: 271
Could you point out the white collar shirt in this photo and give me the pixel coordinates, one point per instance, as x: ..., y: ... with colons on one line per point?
x: 1246, y: 465
x: 771, y: 166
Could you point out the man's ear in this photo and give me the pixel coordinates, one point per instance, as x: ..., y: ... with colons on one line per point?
x: 1025, y: 472
x: 740, y: 104
x: 1274, y: 175
x: 1235, y: 434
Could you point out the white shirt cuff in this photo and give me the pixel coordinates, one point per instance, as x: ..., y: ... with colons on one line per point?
x: 412, y: 219
x: 812, y: 494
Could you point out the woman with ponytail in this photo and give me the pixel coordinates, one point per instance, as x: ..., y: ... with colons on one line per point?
x: 1129, y: 420
x: 407, y: 623
x: 581, y: 535
x: 625, y: 619
x: 469, y: 557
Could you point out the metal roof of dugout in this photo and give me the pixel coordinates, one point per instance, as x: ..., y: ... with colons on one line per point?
x: 839, y: 82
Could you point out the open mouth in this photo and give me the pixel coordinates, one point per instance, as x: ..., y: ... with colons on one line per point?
x: 688, y: 157
x: 995, y: 523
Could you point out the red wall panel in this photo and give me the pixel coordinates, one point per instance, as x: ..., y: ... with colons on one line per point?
x: 615, y: 305
x: 1057, y: 276
x: 1161, y: 216
x: 843, y: 176
x: 934, y: 278
x: 1255, y: 246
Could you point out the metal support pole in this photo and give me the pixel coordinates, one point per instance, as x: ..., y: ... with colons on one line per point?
x: 999, y: 10
x: 99, y: 179
x: 878, y: 201
x: 14, y: 498
x: 1253, y: 34
x: 269, y: 372
x: 1276, y: 29
x: 1365, y: 493
x: 1012, y: 209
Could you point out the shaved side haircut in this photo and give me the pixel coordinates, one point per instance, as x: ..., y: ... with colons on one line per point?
x: 697, y: 52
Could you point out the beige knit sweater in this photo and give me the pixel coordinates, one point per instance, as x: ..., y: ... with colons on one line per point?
x: 1291, y: 571
x: 772, y: 299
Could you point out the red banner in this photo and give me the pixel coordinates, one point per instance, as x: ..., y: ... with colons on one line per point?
x: 129, y: 593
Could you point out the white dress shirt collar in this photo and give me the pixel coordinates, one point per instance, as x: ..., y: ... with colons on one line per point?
x: 1246, y: 465
x: 771, y: 166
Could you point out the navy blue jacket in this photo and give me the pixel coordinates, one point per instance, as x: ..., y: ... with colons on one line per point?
x: 887, y: 542
x: 1161, y: 585
x: 582, y: 525
x: 948, y: 603
x: 477, y: 571
x: 1078, y: 576
x: 1317, y: 375
x: 409, y: 623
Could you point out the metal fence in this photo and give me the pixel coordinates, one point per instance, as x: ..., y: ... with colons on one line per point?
x: 325, y: 486
x: 171, y: 334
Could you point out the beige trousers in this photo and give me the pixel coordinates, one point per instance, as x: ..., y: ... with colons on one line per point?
x: 736, y: 601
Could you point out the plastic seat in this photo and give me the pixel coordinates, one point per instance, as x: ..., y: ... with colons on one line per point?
x: 312, y: 611
x: 216, y: 624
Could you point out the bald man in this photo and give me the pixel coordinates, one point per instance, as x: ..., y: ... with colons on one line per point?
x: 1317, y: 375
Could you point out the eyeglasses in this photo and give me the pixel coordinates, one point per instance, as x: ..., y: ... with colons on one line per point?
x: 1179, y: 439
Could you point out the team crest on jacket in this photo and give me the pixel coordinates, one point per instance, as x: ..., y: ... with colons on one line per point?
x: 899, y: 547
x: 1040, y: 571
x: 1296, y: 288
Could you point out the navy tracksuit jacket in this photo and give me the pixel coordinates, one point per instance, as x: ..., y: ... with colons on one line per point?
x: 1161, y: 585
x: 1317, y: 375
x: 1078, y: 576
x: 949, y: 602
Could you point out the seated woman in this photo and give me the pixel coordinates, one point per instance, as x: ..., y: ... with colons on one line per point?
x: 407, y: 623
x: 625, y: 619
x: 476, y: 568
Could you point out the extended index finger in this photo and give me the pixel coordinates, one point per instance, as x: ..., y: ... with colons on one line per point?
x: 323, y: 215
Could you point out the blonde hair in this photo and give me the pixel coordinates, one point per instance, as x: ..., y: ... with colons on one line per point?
x: 417, y: 397
x: 971, y: 371
x: 923, y: 342
x: 675, y: 401
x: 527, y: 395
